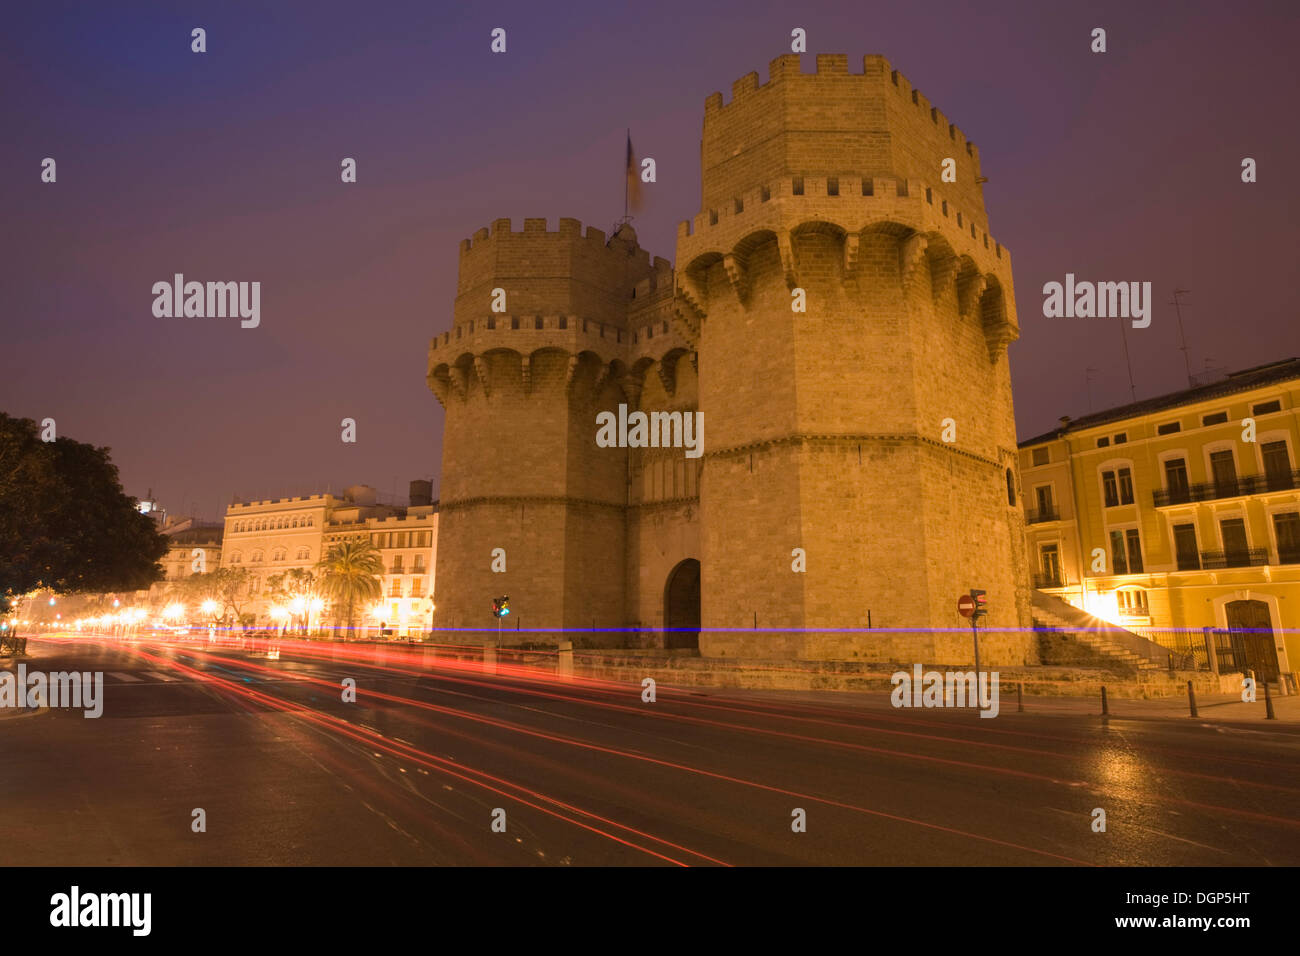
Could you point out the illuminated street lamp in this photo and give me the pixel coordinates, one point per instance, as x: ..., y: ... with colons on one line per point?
x: 315, y: 606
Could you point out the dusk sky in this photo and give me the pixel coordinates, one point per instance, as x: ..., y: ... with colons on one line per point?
x: 224, y: 166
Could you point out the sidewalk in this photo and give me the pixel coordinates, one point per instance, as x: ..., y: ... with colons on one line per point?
x: 1216, y: 708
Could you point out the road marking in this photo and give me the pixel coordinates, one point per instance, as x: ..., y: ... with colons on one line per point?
x: 120, y: 675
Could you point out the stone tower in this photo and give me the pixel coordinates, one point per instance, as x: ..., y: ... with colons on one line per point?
x: 586, y: 320
x: 827, y: 428
x: 874, y: 430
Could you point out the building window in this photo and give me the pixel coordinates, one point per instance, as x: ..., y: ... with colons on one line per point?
x: 1236, y: 549
x: 304, y: 554
x: 1117, y: 487
x: 1119, y: 564
x: 257, y: 557
x: 1103, y: 442
x: 397, y: 565
x: 1223, y: 468
x: 1121, y: 438
x: 1277, y: 466
x: 1132, y: 603
x: 1286, y: 526
x: 1218, y: 418
x: 236, y: 557
x: 1126, y: 551
x: 1050, y: 559
x: 419, y: 563
x: 1011, y: 488
x: 1264, y: 408
x: 1125, y: 487
x: 278, y: 554
x: 417, y: 587
x: 1041, y: 456
x: 1169, y: 428
x: 1176, y: 481
x: 1186, y: 552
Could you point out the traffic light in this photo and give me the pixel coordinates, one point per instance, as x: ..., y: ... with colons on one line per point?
x: 501, y: 606
x: 981, y: 603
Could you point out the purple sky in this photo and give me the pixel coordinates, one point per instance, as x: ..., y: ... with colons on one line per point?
x: 225, y: 166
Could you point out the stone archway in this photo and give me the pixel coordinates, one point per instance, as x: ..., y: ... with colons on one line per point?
x: 682, y: 605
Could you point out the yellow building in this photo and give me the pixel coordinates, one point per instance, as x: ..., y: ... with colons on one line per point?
x: 408, y: 547
x: 273, y: 536
x: 1178, y: 512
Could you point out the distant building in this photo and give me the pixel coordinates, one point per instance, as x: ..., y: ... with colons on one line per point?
x: 1166, y: 514
x: 273, y: 536
x: 194, y: 547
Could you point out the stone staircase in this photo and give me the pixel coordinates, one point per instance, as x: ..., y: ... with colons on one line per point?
x: 1108, y: 642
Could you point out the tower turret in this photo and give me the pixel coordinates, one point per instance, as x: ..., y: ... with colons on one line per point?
x: 873, y: 430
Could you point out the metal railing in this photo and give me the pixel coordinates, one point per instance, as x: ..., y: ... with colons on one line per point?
x: 1048, y: 581
x: 1248, y: 558
x: 1039, y: 515
x: 1233, y: 488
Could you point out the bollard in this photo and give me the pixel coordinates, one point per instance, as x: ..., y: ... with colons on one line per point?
x: 565, y: 666
x: 1191, y: 698
x: 1268, y: 704
x: 1020, y: 697
x: 1105, y: 705
x: 490, y: 657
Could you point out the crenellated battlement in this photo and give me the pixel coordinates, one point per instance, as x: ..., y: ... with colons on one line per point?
x: 852, y: 202
x: 567, y: 229
x: 869, y: 124
x: 877, y: 73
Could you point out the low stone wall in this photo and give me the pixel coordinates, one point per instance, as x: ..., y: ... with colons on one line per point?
x: 956, y: 648
x: 765, y: 674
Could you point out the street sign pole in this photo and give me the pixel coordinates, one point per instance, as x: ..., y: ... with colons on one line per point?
x: 972, y: 605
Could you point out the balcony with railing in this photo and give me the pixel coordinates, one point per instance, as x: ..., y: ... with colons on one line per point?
x: 1243, y: 558
x: 1234, y: 488
x: 1040, y: 515
x: 1048, y: 580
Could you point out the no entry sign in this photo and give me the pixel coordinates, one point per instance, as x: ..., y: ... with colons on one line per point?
x: 965, y: 605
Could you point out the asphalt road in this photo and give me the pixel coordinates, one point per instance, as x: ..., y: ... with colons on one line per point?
x: 288, y: 773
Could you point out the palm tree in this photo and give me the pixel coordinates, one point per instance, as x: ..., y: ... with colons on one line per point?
x: 351, y: 575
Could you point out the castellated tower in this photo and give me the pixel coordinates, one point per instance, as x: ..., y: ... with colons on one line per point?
x: 826, y: 428
x: 874, y: 430
x: 587, y: 326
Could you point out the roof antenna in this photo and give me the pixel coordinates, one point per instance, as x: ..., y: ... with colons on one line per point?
x: 1181, y: 336
x: 1127, y: 361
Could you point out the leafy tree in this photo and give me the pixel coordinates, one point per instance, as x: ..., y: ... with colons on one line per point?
x: 351, y: 575
x: 296, y: 584
x: 65, y: 522
x: 228, y: 587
